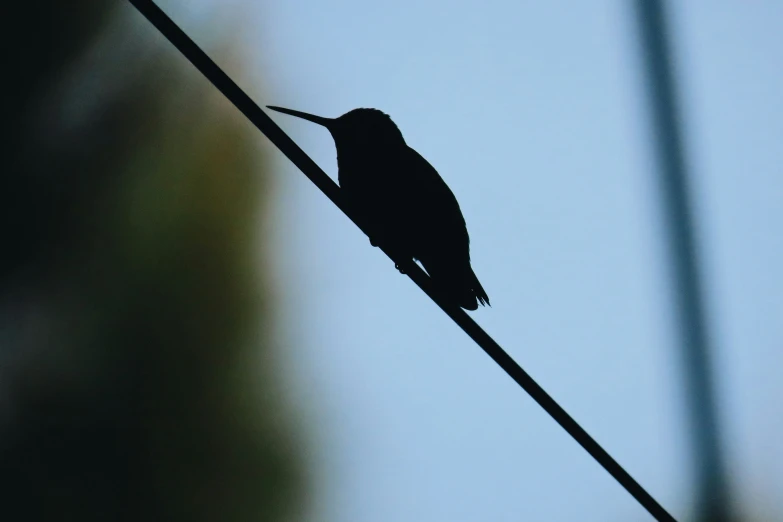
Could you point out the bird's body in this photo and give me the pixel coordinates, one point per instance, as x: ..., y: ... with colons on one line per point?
x: 402, y: 200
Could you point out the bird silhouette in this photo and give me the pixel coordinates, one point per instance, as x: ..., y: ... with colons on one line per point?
x: 401, y: 201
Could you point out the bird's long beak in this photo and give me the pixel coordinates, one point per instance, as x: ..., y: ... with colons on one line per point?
x: 326, y: 122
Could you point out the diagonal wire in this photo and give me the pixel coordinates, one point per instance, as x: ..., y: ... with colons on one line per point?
x: 275, y: 134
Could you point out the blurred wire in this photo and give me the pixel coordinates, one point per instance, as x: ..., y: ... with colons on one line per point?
x: 243, y: 102
x: 713, y: 494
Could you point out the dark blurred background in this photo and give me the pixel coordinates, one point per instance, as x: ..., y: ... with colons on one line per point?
x: 138, y: 372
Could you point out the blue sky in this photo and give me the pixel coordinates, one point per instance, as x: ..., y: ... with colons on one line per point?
x: 535, y: 114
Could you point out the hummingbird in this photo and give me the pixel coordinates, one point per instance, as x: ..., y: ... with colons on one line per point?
x: 401, y: 201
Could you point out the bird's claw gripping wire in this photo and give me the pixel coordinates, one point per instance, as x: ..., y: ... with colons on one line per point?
x: 396, y: 264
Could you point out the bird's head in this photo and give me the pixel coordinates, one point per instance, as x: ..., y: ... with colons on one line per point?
x: 358, y: 129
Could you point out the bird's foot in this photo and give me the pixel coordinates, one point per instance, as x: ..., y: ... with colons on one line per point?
x: 398, y: 267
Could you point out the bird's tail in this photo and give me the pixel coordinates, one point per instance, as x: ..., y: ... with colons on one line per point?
x: 473, y: 293
x: 478, y: 290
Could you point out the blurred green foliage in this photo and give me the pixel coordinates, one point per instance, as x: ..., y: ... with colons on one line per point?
x: 137, y: 366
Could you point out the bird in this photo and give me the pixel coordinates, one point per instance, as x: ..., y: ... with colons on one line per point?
x: 401, y: 201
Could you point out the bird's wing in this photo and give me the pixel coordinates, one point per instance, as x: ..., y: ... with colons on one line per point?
x: 432, y: 191
x: 444, y: 240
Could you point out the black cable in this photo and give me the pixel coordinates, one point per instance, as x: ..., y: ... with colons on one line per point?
x: 264, y: 123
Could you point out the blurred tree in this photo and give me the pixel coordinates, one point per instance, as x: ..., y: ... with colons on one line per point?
x: 138, y: 378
